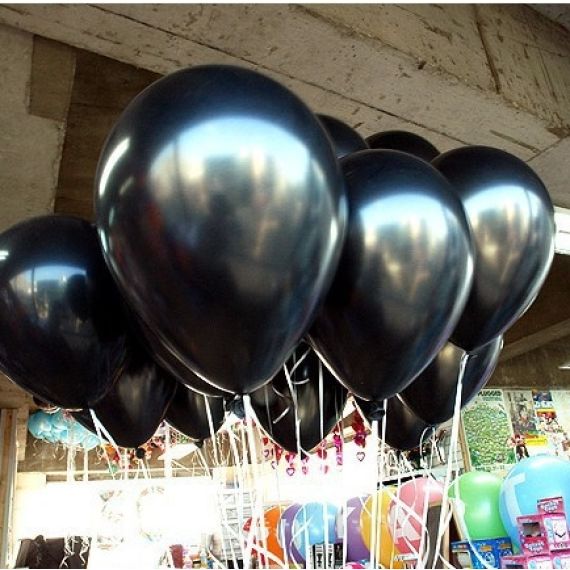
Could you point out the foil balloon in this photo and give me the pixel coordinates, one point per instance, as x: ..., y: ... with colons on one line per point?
x: 404, y: 429
x: 62, y: 331
x: 404, y: 141
x: 345, y: 139
x: 221, y: 210
x: 133, y: 409
x: 188, y: 413
x: 278, y: 406
x: 386, y: 551
x: 404, y: 275
x: 431, y: 396
x: 512, y: 220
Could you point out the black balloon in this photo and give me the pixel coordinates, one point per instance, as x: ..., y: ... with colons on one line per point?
x: 431, y: 396
x: 221, y: 211
x: 62, y: 331
x: 136, y: 404
x: 345, y: 139
x: 175, y: 366
x: 404, y: 141
x: 188, y: 413
x: 512, y: 220
x: 274, y: 404
x: 404, y: 430
x: 403, y: 278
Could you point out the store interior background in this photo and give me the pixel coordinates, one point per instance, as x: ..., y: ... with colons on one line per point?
x: 455, y: 74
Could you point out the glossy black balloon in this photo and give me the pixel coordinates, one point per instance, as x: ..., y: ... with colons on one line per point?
x: 188, y: 413
x: 136, y: 404
x: 512, y: 220
x: 345, y: 139
x: 274, y: 404
x: 431, y: 396
x: 403, y: 278
x: 403, y: 141
x: 404, y: 430
x: 173, y: 364
x: 221, y: 210
x: 62, y: 331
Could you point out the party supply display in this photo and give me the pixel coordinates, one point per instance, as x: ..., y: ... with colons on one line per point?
x: 475, y: 497
x: 404, y: 141
x: 136, y: 404
x: 313, y: 396
x: 233, y: 222
x: 62, y: 331
x: 481, y: 553
x: 431, y: 396
x: 512, y: 220
x: 403, y: 278
x: 530, y: 480
x: 386, y: 551
x: 195, y: 415
x: 344, y: 138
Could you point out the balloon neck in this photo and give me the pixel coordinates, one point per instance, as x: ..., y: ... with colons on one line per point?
x: 376, y: 412
x: 199, y: 444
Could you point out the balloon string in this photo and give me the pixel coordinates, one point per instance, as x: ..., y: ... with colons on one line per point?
x: 451, y: 457
x: 238, y: 472
x: 167, y: 452
x: 299, y: 362
x: 382, y: 471
x: 212, y: 431
x: 374, y: 518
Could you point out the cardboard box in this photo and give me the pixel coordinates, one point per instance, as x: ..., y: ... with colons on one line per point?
x: 479, y: 553
x: 544, y: 561
x: 561, y: 559
x: 557, y: 531
x: 514, y: 561
x: 551, y: 505
x: 533, y: 536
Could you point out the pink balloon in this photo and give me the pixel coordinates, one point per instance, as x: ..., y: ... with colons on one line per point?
x: 407, y: 512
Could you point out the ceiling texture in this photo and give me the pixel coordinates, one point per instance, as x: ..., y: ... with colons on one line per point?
x: 497, y: 75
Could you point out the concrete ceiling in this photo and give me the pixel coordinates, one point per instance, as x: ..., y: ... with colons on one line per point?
x: 456, y: 74
x: 559, y: 13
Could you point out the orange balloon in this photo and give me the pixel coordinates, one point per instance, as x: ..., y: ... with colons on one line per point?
x: 269, y: 535
x: 386, y: 551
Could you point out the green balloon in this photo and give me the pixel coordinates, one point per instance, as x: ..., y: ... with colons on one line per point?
x: 479, y: 514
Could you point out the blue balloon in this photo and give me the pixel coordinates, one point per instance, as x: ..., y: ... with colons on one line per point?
x: 309, y: 525
x: 34, y: 425
x: 44, y: 424
x: 534, y: 478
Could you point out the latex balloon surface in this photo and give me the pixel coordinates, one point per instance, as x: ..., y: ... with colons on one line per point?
x: 188, y: 413
x: 386, y: 550
x: 431, y: 396
x: 476, y: 499
x: 404, y: 141
x: 221, y: 210
x: 404, y: 430
x: 512, y: 221
x: 291, y: 552
x: 277, y: 407
x: 136, y: 404
x: 268, y: 533
x: 403, y: 278
x: 62, y: 332
x: 533, y: 478
x: 356, y: 548
x: 314, y: 523
x: 345, y: 139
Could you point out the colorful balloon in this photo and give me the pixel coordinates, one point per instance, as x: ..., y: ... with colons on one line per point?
x: 62, y: 330
x: 512, y: 221
x: 188, y: 413
x: 314, y: 523
x: 431, y: 396
x: 408, y: 514
x: 356, y: 549
x: 475, y: 496
x: 345, y: 139
x: 404, y: 275
x: 404, y: 141
x: 533, y: 478
x: 221, y: 210
x: 275, y: 410
x: 269, y: 536
x: 286, y: 534
x: 386, y: 550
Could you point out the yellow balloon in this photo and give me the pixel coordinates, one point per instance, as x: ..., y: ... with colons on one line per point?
x: 386, y: 551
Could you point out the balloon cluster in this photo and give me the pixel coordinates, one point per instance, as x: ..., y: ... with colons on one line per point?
x: 60, y: 427
x: 231, y: 224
